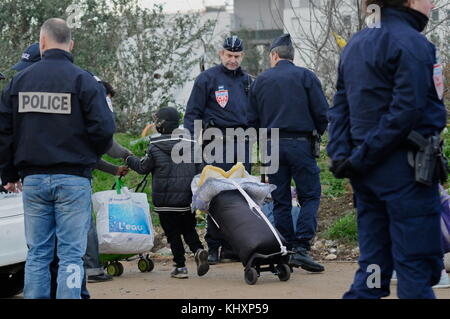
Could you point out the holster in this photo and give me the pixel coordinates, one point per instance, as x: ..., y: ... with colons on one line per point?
x: 428, y: 159
x: 315, y: 143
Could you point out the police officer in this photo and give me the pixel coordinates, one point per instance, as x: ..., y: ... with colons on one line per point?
x: 385, y: 95
x: 54, y: 124
x: 30, y: 56
x: 219, y: 99
x: 290, y: 98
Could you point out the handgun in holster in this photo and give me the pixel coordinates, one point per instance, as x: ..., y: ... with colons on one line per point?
x: 429, y: 161
x: 316, y: 141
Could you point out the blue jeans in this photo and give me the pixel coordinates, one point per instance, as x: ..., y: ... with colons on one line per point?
x: 57, y: 210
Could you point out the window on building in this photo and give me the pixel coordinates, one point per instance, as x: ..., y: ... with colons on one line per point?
x: 259, y: 25
x: 295, y: 3
x: 295, y: 25
x: 298, y: 3
x: 347, y: 21
x: 435, y: 15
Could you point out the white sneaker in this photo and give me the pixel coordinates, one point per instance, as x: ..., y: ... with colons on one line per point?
x: 444, y: 282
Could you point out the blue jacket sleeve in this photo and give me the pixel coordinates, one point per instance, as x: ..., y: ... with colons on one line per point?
x: 196, y: 104
x: 99, y: 118
x: 252, y: 108
x: 318, y: 104
x: 339, y: 138
x: 9, y: 172
x: 409, y: 100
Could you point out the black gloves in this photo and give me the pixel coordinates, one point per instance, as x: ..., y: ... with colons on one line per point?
x: 342, y: 169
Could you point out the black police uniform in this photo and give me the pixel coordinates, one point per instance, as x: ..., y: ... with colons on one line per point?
x: 66, y: 117
x: 291, y: 99
x: 385, y: 90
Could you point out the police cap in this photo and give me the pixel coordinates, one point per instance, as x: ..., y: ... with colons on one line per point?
x: 284, y: 40
x: 31, y: 55
x: 233, y: 44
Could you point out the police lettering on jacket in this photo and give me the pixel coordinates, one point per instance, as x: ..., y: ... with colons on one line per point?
x: 55, y: 103
x: 54, y: 119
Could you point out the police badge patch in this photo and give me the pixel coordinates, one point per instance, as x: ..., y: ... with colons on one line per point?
x: 109, y: 102
x: 222, y: 96
x: 438, y: 76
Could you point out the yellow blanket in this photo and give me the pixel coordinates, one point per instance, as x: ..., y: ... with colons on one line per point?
x: 237, y: 171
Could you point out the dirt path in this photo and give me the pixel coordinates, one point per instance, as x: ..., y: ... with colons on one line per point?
x: 226, y: 281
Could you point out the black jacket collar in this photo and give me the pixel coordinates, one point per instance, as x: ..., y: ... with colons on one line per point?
x: 236, y: 72
x: 57, y: 54
x: 413, y: 17
x: 284, y: 62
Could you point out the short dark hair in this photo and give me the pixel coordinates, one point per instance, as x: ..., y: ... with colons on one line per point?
x: 285, y: 52
x: 109, y: 89
x: 387, y: 3
x: 58, y: 30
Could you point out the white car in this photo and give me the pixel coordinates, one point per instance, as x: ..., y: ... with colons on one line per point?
x: 13, y: 248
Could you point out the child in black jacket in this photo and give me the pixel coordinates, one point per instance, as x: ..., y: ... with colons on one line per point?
x: 171, y: 191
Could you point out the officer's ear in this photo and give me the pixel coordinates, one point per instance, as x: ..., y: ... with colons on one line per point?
x: 42, y: 41
x: 71, y: 45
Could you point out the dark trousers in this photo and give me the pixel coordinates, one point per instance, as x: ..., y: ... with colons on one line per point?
x: 175, y: 225
x: 298, y: 163
x: 92, y: 257
x: 398, y: 228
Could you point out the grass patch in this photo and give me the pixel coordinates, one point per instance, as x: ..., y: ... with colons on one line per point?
x: 331, y: 186
x: 344, y: 229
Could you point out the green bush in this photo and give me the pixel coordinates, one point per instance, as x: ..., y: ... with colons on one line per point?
x: 331, y: 186
x: 344, y: 229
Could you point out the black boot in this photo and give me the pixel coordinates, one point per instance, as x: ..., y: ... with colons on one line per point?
x: 302, y: 259
x: 213, y: 256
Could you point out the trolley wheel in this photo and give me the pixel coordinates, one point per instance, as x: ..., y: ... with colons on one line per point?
x: 283, y: 272
x: 143, y: 265
x: 119, y: 267
x: 112, y: 269
x: 151, y: 264
x: 251, y: 276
